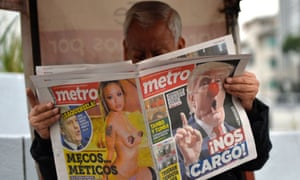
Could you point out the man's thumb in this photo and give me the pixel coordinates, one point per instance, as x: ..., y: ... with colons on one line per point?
x: 31, y: 97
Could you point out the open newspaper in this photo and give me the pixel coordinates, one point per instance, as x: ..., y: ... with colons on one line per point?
x: 148, y: 121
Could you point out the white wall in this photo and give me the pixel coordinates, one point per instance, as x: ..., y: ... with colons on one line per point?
x: 16, y: 162
x: 13, y: 105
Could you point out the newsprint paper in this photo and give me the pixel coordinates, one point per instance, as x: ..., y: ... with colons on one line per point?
x: 152, y: 120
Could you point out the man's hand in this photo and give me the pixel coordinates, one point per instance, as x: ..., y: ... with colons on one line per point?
x: 189, y: 141
x: 245, y: 87
x: 41, y: 116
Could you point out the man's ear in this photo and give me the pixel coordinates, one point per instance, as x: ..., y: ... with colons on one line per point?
x: 191, y: 102
x: 181, y: 43
x: 125, y: 50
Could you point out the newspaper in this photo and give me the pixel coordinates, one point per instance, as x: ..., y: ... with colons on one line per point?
x: 138, y: 123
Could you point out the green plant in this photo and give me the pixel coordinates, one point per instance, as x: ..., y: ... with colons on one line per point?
x: 11, y: 48
x: 291, y: 44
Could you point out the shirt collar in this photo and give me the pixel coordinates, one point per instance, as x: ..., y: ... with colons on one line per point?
x: 207, y: 128
x: 72, y: 145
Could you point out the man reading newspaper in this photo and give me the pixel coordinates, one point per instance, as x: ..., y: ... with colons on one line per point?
x: 152, y: 28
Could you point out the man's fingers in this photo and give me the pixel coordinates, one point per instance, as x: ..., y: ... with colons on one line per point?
x: 43, y: 115
x: 31, y: 97
x: 47, y: 118
x: 46, y: 110
x: 183, y: 119
x: 244, y: 79
x: 197, y: 135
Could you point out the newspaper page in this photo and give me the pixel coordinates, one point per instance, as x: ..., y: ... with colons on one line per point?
x: 138, y: 124
x: 101, y: 133
x: 184, y: 103
x: 153, y: 118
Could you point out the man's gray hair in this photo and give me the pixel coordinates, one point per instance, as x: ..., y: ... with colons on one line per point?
x: 147, y: 13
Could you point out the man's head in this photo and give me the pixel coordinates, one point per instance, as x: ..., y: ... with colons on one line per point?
x: 151, y: 28
x: 206, y: 94
x: 70, y: 130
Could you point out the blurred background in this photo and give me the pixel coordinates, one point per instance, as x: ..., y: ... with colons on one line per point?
x: 269, y: 30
